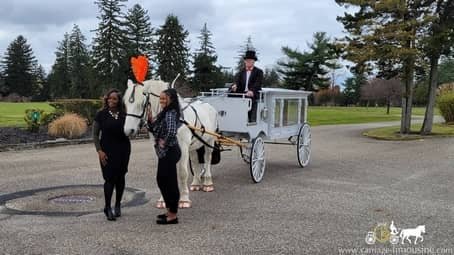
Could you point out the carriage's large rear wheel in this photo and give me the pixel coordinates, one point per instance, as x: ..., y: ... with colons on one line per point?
x: 257, y: 159
x: 303, y: 149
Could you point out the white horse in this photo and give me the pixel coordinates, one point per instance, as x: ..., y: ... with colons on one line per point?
x: 417, y: 232
x: 137, y: 98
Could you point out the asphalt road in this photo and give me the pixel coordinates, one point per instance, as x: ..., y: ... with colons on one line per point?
x: 352, y: 184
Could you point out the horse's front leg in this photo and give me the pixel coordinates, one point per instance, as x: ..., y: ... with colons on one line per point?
x: 207, y: 180
x: 161, y: 204
x: 182, y: 172
x: 419, y: 237
x: 196, y: 181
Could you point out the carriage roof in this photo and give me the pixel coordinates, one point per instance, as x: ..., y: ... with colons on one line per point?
x: 271, y: 91
x: 281, y: 91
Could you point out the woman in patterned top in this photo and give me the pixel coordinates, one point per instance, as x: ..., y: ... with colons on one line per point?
x: 164, y: 129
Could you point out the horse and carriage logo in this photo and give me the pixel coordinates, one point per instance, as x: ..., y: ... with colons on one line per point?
x: 385, y: 232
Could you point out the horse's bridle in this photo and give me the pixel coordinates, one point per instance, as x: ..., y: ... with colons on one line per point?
x: 145, y: 105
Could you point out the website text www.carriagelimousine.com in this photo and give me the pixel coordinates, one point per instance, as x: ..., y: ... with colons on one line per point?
x: 395, y: 250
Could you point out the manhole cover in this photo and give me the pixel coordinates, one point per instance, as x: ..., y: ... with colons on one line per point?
x: 64, y: 200
x: 72, y: 199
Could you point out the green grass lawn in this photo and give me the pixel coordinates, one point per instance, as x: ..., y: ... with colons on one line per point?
x: 319, y: 115
x: 392, y: 133
x: 12, y: 114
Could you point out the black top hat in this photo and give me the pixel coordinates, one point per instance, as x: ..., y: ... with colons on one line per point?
x: 250, y: 54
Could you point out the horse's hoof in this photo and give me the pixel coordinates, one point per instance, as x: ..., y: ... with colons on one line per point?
x: 195, y: 188
x: 185, y: 204
x: 161, y: 204
x: 208, y: 188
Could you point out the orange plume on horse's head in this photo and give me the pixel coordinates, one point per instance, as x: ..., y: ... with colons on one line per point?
x: 139, y: 67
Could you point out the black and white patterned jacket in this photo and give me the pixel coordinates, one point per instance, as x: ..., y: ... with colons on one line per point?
x: 165, y: 128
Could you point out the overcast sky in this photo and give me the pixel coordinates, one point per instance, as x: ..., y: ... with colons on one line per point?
x: 271, y: 24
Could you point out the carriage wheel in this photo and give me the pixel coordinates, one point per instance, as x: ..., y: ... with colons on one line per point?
x: 304, y: 145
x: 257, y: 159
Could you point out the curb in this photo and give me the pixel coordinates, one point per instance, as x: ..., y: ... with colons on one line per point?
x: 53, y: 143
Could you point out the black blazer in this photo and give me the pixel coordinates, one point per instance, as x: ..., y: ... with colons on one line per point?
x: 255, y: 81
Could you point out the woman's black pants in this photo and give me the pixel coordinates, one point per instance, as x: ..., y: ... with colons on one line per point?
x: 109, y: 185
x: 167, y: 178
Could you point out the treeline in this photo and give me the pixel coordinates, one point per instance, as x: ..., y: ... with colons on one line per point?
x: 409, y: 42
x: 86, y: 71
x: 402, y: 39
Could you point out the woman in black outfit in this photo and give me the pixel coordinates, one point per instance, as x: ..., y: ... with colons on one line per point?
x: 113, y: 149
x: 164, y: 129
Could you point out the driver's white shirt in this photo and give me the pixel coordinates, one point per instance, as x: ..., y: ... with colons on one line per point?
x: 248, y: 74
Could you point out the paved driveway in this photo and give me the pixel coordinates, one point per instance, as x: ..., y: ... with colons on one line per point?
x: 352, y: 184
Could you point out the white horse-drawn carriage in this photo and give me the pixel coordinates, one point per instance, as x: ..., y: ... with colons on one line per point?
x: 281, y: 114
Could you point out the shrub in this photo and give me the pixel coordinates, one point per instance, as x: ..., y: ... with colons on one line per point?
x: 48, y: 117
x: 34, y: 119
x: 86, y: 108
x: 68, y: 126
x: 445, y: 88
x: 445, y: 103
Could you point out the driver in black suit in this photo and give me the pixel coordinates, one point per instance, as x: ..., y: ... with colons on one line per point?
x: 249, y: 81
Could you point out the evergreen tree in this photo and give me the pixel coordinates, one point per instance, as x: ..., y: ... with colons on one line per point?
x: 109, y: 54
x: 140, y: 34
x: 78, y: 65
x: 386, y: 30
x: 296, y: 70
x: 439, y: 42
x: 3, y: 89
x: 206, y: 73
x: 352, y: 91
x: 271, y: 78
x: 18, y: 64
x: 139, y: 31
x: 172, y: 51
x: 446, y: 71
x: 60, y: 76
x: 421, y: 91
x: 309, y: 70
x: 247, y: 46
x: 41, y: 88
x: 226, y: 77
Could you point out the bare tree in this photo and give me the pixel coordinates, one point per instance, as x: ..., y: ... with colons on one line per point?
x: 380, y: 90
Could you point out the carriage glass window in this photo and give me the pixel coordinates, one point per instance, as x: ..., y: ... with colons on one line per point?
x: 302, y: 112
x: 290, y: 112
x: 277, y: 113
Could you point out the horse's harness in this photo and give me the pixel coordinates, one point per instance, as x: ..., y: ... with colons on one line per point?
x: 145, y: 105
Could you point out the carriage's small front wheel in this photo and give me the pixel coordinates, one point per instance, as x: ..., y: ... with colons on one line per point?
x: 303, y: 149
x: 257, y: 159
